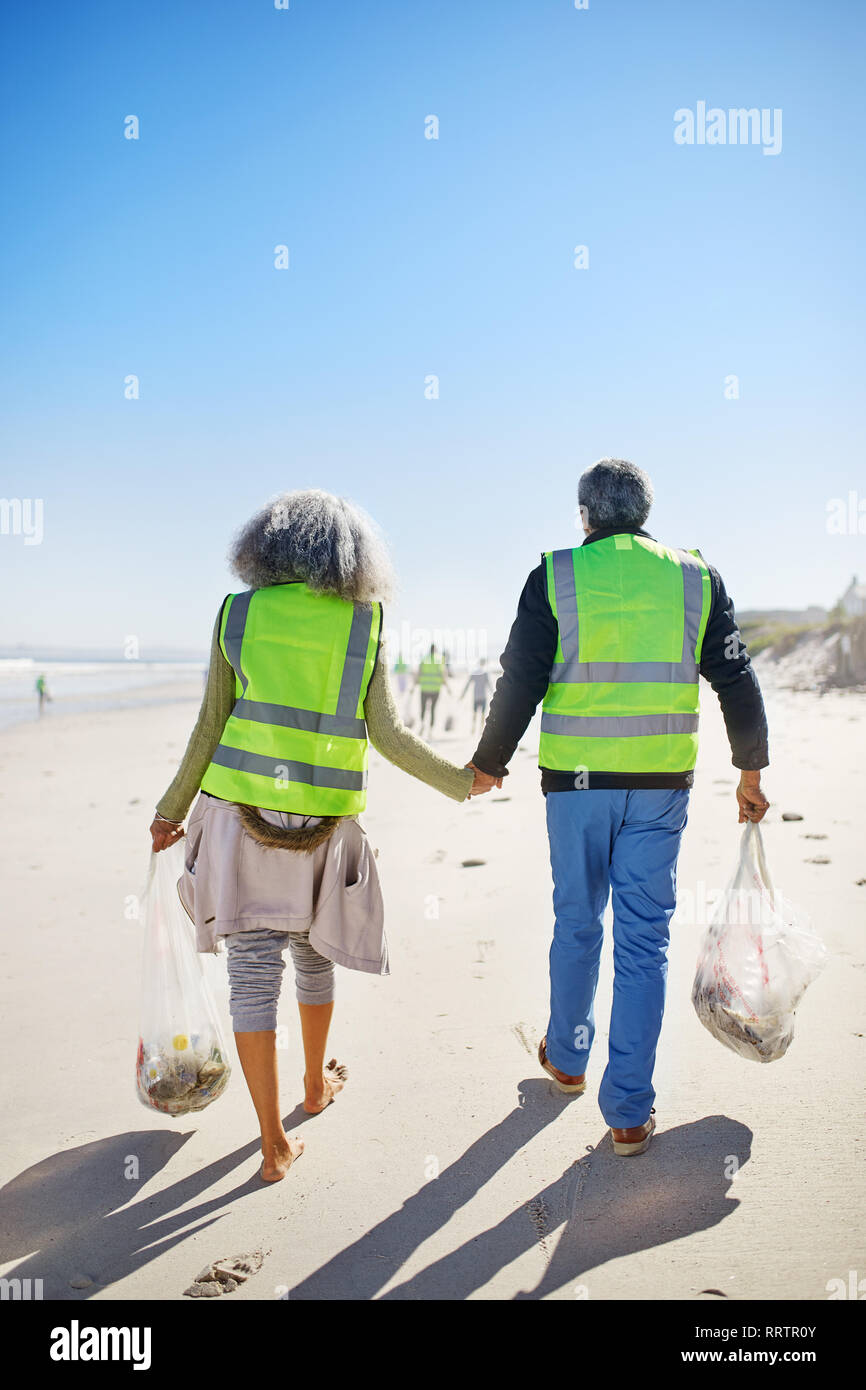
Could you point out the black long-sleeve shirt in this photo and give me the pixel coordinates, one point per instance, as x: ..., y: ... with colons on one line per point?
x: 529, y: 657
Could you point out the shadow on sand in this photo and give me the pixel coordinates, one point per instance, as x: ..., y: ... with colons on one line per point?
x: 601, y: 1208
x: 76, y: 1212
x: 68, y: 1214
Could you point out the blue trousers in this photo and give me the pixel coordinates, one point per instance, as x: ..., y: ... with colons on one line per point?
x: 625, y: 843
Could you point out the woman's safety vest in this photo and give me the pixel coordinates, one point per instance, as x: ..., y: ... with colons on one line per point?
x: 296, y: 739
x: 431, y: 675
x: 623, y: 693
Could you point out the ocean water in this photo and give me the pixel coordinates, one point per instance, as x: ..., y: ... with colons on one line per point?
x: 80, y: 686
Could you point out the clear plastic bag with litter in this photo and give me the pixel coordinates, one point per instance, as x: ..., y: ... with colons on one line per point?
x: 757, y: 958
x: 182, y: 1063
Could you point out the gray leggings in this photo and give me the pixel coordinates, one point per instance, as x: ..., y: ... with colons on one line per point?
x: 256, y: 965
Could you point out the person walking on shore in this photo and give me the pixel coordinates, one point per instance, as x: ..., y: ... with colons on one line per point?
x: 430, y: 679
x: 479, y: 680
x: 612, y: 636
x: 403, y: 678
x: 276, y: 856
x: 41, y: 694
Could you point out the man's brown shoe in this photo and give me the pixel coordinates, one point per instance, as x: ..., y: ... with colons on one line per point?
x: 571, y: 1085
x: 634, y: 1140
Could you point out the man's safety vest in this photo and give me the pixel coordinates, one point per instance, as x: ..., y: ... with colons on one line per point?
x: 623, y: 693
x: 296, y: 739
x: 431, y: 675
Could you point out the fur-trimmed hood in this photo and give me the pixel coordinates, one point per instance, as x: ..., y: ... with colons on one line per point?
x: 302, y: 838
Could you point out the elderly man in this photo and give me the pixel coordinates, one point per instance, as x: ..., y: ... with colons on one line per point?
x: 612, y: 637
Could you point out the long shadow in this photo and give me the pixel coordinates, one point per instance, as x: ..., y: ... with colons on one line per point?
x: 602, y: 1207
x: 606, y: 1207
x: 78, y: 1211
x: 363, y: 1268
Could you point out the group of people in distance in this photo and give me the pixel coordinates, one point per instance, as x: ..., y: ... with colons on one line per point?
x: 431, y: 677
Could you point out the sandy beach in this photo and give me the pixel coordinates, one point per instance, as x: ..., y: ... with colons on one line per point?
x: 449, y: 1168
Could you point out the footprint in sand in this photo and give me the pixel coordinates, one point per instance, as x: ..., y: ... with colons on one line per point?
x: 807, y: 836
x: 538, y: 1215
x: 818, y: 859
x: 224, y: 1276
x: 527, y: 1037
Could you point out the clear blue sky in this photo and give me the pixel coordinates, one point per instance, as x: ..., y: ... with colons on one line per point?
x: 412, y: 257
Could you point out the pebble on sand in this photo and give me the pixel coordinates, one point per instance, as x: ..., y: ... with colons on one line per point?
x: 791, y: 815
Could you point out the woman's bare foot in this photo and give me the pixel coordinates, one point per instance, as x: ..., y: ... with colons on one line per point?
x: 320, y: 1093
x: 278, y: 1158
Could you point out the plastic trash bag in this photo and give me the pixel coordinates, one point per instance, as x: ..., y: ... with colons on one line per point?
x: 757, y: 957
x: 182, y: 1063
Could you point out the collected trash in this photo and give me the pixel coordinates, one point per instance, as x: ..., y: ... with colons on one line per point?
x: 757, y: 958
x: 182, y: 1061
x: 184, y: 1075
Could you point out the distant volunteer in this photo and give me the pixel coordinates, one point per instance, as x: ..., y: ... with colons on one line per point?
x: 480, y: 684
x: 403, y: 681
x: 431, y: 677
x: 612, y: 637
x: 276, y: 856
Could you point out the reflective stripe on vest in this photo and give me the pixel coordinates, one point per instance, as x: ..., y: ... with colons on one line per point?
x: 636, y: 611
x: 296, y: 739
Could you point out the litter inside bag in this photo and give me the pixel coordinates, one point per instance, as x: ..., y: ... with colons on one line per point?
x: 182, y: 1061
x: 757, y: 958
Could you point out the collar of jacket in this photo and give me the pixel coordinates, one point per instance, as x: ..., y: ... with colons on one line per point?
x: 605, y: 531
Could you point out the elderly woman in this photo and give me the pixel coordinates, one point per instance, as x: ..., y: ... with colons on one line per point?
x: 276, y: 856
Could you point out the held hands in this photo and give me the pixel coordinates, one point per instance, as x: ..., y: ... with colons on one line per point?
x: 165, y: 833
x: 483, y: 782
x: 750, y: 798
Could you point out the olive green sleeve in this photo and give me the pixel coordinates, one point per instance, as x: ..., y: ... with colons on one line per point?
x: 216, y: 706
x: 390, y: 737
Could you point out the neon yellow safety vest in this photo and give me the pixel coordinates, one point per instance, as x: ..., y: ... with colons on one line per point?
x: 296, y: 739
x: 624, y: 689
x: 431, y: 675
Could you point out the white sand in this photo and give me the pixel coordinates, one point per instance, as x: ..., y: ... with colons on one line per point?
x: 529, y: 1200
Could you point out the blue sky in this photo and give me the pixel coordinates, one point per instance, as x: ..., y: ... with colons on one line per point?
x: 411, y: 257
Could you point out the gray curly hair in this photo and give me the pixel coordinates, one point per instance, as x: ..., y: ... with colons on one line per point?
x: 326, y: 541
x: 615, y: 493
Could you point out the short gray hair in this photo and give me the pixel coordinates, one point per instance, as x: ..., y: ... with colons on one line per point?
x: 326, y: 541
x: 615, y: 493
